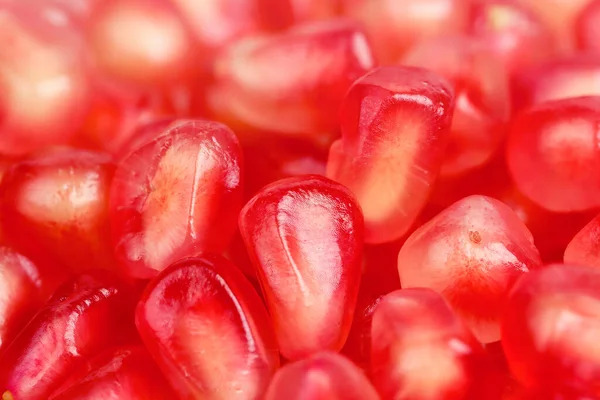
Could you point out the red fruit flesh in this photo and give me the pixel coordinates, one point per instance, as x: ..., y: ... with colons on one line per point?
x: 550, y: 329
x: 557, y: 79
x: 553, y: 154
x: 44, y: 89
x: 304, y: 236
x: 472, y: 253
x: 125, y: 373
x: 588, y: 28
x: 325, y: 375
x: 420, y: 349
x: 310, y: 68
x: 395, y: 127
x: 560, y: 16
x: 482, y: 98
x: 84, y: 317
x: 394, y: 26
x: 512, y: 32
x: 584, y: 248
x: 176, y: 195
x: 208, y: 330
x: 20, y: 285
x: 156, y: 40
x: 55, y: 204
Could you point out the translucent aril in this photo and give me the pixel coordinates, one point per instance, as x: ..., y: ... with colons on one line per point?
x: 324, y: 375
x: 550, y: 329
x: 309, y: 68
x: 304, y: 236
x: 420, y: 349
x: 553, y: 154
x: 482, y: 95
x: 472, y: 253
x: 55, y: 204
x: 208, y: 330
x: 584, y: 247
x: 175, y: 195
x: 395, y: 124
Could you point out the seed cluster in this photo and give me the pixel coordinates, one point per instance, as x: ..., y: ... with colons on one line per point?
x: 300, y: 199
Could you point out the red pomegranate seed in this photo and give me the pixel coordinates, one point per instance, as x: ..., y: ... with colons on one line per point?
x: 310, y: 68
x: 125, y: 373
x: 394, y: 26
x: 55, y: 203
x: 158, y: 48
x: 177, y: 194
x: 420, y: 349
x: 304, y: 236
x: 84, y: 317
x: 395, y: 126
x: 216, y: 23
x: 482, y: 98
x: 584, y: 248
x: 21, y: 288
x: 208, y: 329
x: 560, y: 15
x: 324, y: 375
x: 550, y: 328
x: 553, y: 154
x: 557, y: 79
x: 472, y: 253
x: 45, y: 90
x: 588, y: 27
x: 512, y: 32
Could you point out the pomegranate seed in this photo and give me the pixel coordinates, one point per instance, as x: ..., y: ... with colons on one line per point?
x: 84, y: 317
x: 420, y: 349
x: 304, y: 236
x: 583, y: 249
x: 208, y: 329
x: 512, y: 32
x: 587, y: 27
x: 395, y: 126
x: 482, y: 98
x: 324, y: 375
x: 156, y: 40
x: 55, y: 203
x: 216, y: 23
x: 472, y: 253
x: 560, y: 15
x: 550, y: 328
x: 395, y: 25
x: 21, y: 285
x: 310, y: 68
x: 177, y: 194
x: 126, y: 373
x: 45, y: 92
x: 553, y: 154
x: 557, y: 79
